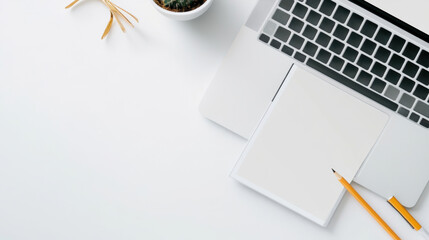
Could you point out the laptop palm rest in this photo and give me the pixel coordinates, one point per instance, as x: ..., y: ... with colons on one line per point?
x: 311, y: 127
x: 245, y: 84
x: 398, y: 164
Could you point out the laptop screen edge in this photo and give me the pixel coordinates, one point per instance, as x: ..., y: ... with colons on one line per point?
x: 392, y: 19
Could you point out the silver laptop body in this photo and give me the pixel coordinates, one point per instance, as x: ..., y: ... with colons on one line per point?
x: 353, y: 45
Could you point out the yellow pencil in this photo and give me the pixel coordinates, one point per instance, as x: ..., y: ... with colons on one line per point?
x: 371, y: 211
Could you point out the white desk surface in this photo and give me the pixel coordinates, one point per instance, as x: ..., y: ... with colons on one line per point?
x: 103, y: 139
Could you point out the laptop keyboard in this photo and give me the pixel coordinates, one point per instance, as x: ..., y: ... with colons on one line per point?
x: 354, y: 51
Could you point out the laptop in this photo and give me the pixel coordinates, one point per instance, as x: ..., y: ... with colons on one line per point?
x: 374, y: 50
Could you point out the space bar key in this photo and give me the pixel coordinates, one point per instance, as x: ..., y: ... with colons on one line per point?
x: 352, y: 84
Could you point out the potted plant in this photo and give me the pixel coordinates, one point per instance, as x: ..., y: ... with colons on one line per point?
x: 182, y: 10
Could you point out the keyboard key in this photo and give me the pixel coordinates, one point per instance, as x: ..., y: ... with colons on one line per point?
x: 353, y: 85
x: 407, y: 84
x: 355, y: 21
x: 397, y: 43
x: 411, y: 51
x: 350, y: 54
x: 414, y: 117
x: 341, y: 14
x: 337, y: 63
x: 309, y: 32
x: 300, y: 57
x: 423, y: 59
x: 354, y: 39
x: 421, y: 92
x: 407, y: 100
x: 296, y: 41
x: 336, y: 46
x: 392, y: 76
x: 403, y: 111
x: 313, y: 3
x: 368, y: 46
x: 327, y: 25
x: 286, y: 4
x: 323, y: 39
x: 310, y: 49
x: 392, y: 92
x: 383, y: 36
x: 276, y: 44
x: 382, y: 54
x: 327, y: 7
x: 378, y: 69
x: 368, y: 28
x: 341, y: 32
x: 396, y: 61
x: 282, y: 34
x: 424, y: 123
x: 378, y: 85
x: 323, y: 56
x: 270, y: 28
x: 423, y: 77
x: 350, y: 70
x: 296, y: 25
x: 313, y: 18
x: 422, y: 108
x: 410, y: 69
x: 264, y: 38
x: 364, y: 61
x: 300, y: 10
x: 289, y: 51
x: 364, y: 78
x: 281, y: 16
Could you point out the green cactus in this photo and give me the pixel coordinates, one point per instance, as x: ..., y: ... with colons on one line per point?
x: 180, y: 5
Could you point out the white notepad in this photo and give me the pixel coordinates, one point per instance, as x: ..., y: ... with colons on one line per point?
x: 311, y: 127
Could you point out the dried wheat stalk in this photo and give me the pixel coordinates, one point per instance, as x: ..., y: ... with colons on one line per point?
x: 115, y: 12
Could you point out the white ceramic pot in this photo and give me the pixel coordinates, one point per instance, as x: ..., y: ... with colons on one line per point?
x: 184, y: 16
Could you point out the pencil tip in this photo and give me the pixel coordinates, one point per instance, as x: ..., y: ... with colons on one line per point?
x: 333, y: 170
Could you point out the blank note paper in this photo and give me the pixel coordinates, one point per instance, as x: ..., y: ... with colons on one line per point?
x: 311, y: 127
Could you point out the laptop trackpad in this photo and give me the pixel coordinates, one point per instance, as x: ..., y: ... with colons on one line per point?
x: 311, y: 127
